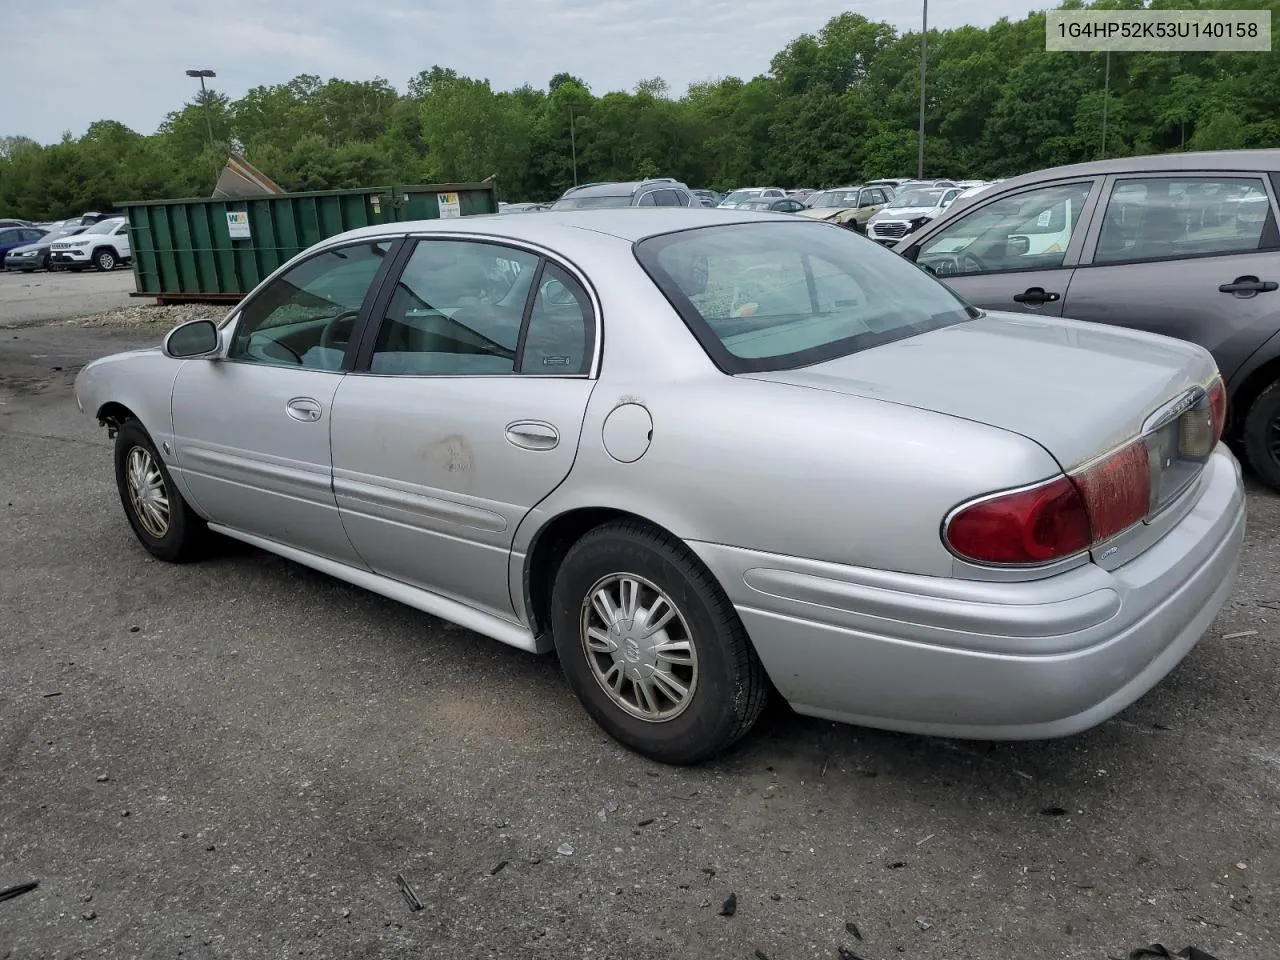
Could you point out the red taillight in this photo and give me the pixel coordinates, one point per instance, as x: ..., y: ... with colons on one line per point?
x: 1218, y: 407
x: 1057, y: 518
x: 1029, y: 526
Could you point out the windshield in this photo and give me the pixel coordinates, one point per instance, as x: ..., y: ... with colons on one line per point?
x: 592, y: 203
x: 104, y: 226
x: 837, y: 198
x: 739, y: 196
x: 919, y: 198
x: 773, y: 296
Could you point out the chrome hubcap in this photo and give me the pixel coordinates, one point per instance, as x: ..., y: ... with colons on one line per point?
x: 147, y: 492
x: 639, y: 647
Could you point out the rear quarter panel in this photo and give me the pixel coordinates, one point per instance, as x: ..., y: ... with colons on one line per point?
x: 793, y: 471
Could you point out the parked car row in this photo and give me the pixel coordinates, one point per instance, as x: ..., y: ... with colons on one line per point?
x: 76, y: 244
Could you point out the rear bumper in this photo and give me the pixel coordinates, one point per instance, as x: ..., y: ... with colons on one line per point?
x: 983, y: 660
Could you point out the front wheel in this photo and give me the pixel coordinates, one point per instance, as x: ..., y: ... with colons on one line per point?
x: 1262, y: 435
x: 105, y: 260
x: 652, y: 647
x: 161, y: 519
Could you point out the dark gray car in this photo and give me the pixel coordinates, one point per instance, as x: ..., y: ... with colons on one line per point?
x: 1183, y: 244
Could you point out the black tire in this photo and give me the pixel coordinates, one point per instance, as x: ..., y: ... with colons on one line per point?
x: 1262, y: 436
x: 105, y: 259
x: 185, y: 535
x: 731, y: 687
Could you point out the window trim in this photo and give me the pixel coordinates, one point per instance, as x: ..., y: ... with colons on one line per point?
x: 1076, y: 245
x: 364, y: 358
x: 1270, y: 230
x: 233, y: 321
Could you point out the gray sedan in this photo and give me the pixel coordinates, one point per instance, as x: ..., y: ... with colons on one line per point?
x: 706, y: 456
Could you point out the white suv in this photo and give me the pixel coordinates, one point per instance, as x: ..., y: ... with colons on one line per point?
x: 104, y: 245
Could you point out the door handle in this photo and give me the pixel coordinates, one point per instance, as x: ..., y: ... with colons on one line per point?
x: 304, y: 409
x: 1036, y: 295
x: 533, y: 435
x: 1248, y: 285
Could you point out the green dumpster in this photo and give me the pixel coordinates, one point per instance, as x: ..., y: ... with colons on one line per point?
x: 206, y: 250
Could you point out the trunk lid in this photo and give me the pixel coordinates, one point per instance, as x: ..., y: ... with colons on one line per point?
x: 1081, y: 390
x: 1078, y: 389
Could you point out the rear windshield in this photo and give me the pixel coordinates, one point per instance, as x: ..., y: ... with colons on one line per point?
x: 774, y: 296
x: 591, y: 203
x: 738, y: 196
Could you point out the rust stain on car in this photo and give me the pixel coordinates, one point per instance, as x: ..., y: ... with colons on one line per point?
x: 452, y: 454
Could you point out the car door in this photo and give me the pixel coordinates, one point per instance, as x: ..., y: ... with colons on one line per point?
x: 251, y: 428
x: 1014, y: 252
x: 871, y: 201
x: 10, y: 237
x: 464, y: 412
x: 121, y: 237
x: 1189, y: 255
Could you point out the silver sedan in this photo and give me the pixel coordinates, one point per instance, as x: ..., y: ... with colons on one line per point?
x: 708, y: 457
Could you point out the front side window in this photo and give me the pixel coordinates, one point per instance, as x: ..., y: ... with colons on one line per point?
x: 1027, y: 231
x: 457, y: 309
x: 305, y: 317
x: 1163, y: 218
x: 772, y: 296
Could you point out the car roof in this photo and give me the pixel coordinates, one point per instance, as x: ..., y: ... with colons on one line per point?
x: 630, y: 223
x: 1227, y: 160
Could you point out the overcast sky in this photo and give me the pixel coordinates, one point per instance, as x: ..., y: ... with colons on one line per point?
x: 66, y: 63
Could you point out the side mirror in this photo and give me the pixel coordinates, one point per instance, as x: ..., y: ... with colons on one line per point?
x: 195, y: 338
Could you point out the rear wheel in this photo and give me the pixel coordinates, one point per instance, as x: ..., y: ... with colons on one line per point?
x: 1262, y: 435
x: 652, y: 647
x: 161, y: 519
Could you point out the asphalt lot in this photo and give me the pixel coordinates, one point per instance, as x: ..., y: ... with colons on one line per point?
x: 236, y: 759
x: 33, y: 298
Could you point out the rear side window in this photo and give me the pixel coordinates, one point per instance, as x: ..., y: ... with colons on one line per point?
x: 772, y: 296
x: 1165, y: 218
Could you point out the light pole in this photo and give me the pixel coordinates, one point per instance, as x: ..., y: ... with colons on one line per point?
x: 1106, y: 99
x: 924, y: 60
x: 204, y: 99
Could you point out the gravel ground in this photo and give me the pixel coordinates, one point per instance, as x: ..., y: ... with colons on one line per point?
x: 239, y: 758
